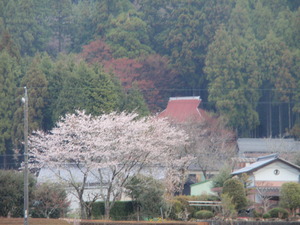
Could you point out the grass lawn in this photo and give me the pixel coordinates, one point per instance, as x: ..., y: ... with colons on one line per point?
x: 32, y: 221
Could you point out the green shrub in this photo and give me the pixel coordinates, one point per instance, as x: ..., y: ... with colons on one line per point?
x: 204, y: 214
x: 279, y: 213
x: 236, y: 190
x: 257, y: 214
x: 181, y: 208
x: 120, y: 210
x: 266, y: 216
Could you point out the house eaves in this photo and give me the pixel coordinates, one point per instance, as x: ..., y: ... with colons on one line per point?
x: 262, y: 162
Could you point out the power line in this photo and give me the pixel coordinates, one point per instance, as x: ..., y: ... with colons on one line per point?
x: 172, y: 89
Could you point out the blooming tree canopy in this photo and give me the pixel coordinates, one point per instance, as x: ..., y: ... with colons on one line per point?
x: 111, y: 147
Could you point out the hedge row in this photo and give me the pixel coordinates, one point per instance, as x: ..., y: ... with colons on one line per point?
x: 120, y: 210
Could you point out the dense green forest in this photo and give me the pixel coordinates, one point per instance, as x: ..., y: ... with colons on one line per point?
x: 241, y: 56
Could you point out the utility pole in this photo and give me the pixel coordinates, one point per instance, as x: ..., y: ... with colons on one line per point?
x: 25, y: 101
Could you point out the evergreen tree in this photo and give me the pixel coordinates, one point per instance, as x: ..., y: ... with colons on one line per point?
x: 286, y: 27
x: 216, y: 12
x: 86, y: 88
x: 274, y: 60
x: 23, y: 22
x: 9, y: 70
x: 54, y: 72
x: 36, y: 83
x: 128, y: 36
x: 231, y: 67
x: 60, y: 23
x: 261, y: 20
x: 99, y: 91
x: 290, y: 196
x: 83, y: 26
x: 235, y: 189
x: 134, y: 102
x: 156, y: 15
x: 185, y: 42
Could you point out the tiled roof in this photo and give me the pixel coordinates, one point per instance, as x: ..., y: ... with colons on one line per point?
x: 261, y: 162
x: 184, y: 109
x: 266, y: 145
x: 254, y: 166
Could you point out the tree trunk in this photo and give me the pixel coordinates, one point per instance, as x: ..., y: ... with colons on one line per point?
x: 270, y: 116
x: 290, y: 120
x: 107, y: 210
x: 82, y: 209
x: 280, y: 120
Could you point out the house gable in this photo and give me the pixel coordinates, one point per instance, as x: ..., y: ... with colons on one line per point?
x: 263, y: 162
x: 276, y: 173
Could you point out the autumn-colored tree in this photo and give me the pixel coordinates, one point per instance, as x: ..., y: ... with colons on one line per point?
x: 8, y: 45
x: 157, y: 68
x: 96, y: 52
x: 152, y: 74
x: 125, y: 69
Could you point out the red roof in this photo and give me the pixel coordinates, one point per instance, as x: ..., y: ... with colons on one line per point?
x: 184, y: 109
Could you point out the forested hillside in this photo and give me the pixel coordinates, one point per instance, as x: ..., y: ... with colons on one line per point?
x: 241, y: 56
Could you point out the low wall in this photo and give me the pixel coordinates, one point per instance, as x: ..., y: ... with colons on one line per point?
x: 253, y: 223
x: 140, y: 223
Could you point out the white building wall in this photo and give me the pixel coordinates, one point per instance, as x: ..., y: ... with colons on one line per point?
x: 286, y: 173
x: 88, y: 195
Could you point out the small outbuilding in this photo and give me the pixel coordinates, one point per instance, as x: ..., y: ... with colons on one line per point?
x: 202, y: 188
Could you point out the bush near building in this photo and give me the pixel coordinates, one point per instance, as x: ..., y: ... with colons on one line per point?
x: 204, y: 214
x: 278, y: 213
x: 120, y: 211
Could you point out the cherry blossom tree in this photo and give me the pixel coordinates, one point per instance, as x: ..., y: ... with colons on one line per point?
x: 110, y: 148
x: 211, y: 144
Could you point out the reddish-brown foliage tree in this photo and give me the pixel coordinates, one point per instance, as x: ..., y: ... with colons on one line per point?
x: 156, y: 68
x: 127, y: 70
x: 96, y: 52
x: 152, y: 74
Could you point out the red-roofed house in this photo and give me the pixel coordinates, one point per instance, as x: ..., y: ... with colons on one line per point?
x: 184, y: 109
